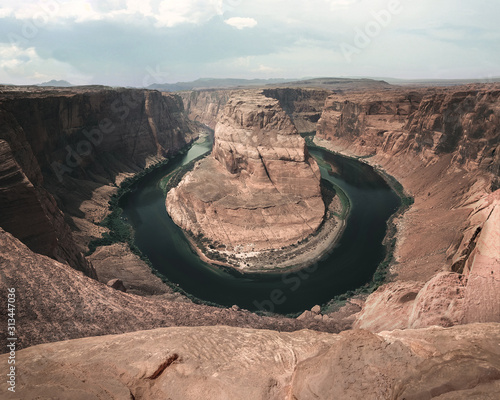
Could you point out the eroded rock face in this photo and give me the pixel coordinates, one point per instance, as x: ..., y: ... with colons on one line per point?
x: 303, y: 105
x: 442, y: 145
x: 28, y: 210
x: 427, y: 122
x: 64, y: 150
x: 235, y: 363
x: 259, y: 189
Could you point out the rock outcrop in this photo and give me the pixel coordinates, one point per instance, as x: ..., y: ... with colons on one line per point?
x: 442, y: 145
x: 205, y: 106
x: 259, y: 190
x: 430, y: 123
x: 28, y: 210
x: 303, y: 106
x: 235, y: 363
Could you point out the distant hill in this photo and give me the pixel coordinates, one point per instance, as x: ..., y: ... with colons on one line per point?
x: 53, y: 82
x: 338, y: 84
x: 212, y: 83
x: 430, y: 82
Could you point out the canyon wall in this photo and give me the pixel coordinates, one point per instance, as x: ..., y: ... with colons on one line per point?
x: 430, y: 123
x: 260, y: 188
x: 303, y: 105
x: 204, y: 106
x: 63, y: 151
x: 442, y: 145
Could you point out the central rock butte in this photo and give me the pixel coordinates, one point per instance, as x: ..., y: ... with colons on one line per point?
x: 258, y: 191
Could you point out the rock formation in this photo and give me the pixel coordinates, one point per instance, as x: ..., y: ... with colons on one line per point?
x: 303, y: 105
x: 29, y: 211
x: 259, y: 190
x: 205, y: 106
x: 442, y: 144
x: 65, y: 150
x: 235, y: 363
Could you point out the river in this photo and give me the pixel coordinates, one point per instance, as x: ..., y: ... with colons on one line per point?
x: 349, y: 265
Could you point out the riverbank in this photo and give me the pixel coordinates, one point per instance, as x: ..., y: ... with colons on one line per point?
x: 382, y: 273
x: 348, y: 265
x: 287, y: 259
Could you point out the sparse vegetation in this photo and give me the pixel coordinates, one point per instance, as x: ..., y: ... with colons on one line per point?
x: 119, y: 230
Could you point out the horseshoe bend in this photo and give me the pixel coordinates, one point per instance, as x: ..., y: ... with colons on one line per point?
x: 82, y: 174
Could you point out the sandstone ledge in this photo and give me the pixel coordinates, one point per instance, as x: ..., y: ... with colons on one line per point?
x: 234, y: 363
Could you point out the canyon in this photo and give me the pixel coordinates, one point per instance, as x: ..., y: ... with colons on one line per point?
x: 431, y: 331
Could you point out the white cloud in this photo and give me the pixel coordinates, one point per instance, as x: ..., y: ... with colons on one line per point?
x: 241, y: 23
x: 25, y: 66
x: 5, y: 12
x: 341, y: 4
x: 165, y: 12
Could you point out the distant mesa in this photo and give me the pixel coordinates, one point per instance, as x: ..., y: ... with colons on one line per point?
x: 212, y: 83
x: 56, y: 83
x: 346, y: 84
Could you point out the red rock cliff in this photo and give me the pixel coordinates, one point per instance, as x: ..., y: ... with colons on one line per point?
x: 64, y: 149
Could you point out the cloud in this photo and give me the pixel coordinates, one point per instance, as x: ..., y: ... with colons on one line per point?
x: 342, y: 4
x: 118, y: 41
x: 241, y: 23
x: 25, y: 66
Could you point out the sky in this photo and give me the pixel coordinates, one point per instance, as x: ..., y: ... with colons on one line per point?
x: 143, y: 42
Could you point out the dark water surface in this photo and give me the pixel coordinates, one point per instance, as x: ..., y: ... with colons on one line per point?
x: 350, y: 265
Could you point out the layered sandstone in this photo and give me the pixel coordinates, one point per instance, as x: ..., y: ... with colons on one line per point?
x: 259, y: 190
x: 235, y: 363
x: 442, y: 145
x: 303, y: 105
x: 64, y: 151
x: 205, y: 106
x: 28, y: 210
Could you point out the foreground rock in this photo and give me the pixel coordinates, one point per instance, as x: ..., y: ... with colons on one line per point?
x: 55, y: 302
x: 235, y: 363
x: 258, y: 191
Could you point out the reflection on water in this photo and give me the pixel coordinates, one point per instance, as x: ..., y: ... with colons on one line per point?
x: 350, y: 265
